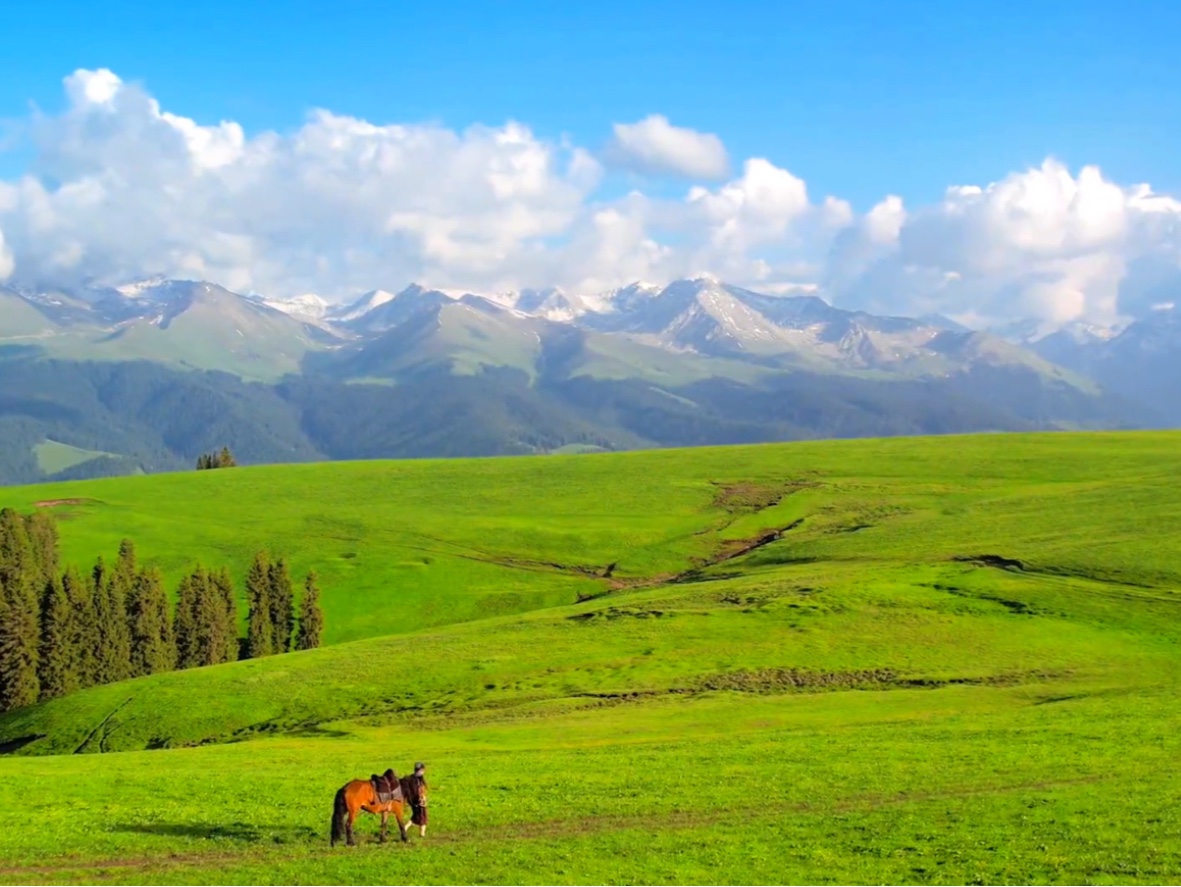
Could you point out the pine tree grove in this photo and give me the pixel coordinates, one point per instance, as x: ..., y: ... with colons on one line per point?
x: 20, y: 636
x: 61, y: 631
x: 222, y: 458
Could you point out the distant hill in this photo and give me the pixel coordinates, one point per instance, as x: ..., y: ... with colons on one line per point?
x: 151, y: 374
x: 1143, y: 361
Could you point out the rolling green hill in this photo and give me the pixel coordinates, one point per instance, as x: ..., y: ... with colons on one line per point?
x: 205, y: 327
x: 919, y: 660
x: 54, y: 457
x: 20, y: 322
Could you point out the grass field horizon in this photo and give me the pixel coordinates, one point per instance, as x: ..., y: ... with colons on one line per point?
x: 926, y: 660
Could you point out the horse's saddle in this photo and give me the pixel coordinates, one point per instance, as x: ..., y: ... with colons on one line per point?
x: 387, y: 787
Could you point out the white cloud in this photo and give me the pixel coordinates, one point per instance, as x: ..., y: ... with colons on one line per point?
x: 121, y: 189
x: 653, y: 145
x: 1042, y: 243
x: 6, y: 262
x: 339, y: 205
x: 92, y: 87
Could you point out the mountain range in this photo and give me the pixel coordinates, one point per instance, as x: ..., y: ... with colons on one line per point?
x: 146, y: 376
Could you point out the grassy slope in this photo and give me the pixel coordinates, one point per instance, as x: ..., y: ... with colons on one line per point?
x: 218, y: 331
x: 979, y: 722
x: 53, y: 456
x: 20, y: 322
x: 404, y: 545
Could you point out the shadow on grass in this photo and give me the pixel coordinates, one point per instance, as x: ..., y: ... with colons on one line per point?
x: 234, y: 831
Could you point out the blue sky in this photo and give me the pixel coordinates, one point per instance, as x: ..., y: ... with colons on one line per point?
x: 858, y: 98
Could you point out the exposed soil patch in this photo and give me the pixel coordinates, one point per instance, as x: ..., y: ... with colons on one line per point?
x: 730, y: 550
x: 787, y: 680
x: 743, y: 498
x: 613, y: 613
x: 992, y: 560
x: 777, y: 681
x: 53, y: 503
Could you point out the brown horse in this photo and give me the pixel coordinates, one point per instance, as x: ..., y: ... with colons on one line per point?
x: 380, y: 796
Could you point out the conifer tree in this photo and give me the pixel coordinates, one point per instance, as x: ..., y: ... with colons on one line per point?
x: 184, y: 626
x: 20, y: 634
x: 282, y: 606
x: 222, y: 458
x: 224, y: 584
x: 259, y: 635
x: 113, y: 648
x: 311, y: 618
x: 211, y: 619
x: 98, y: 578
x: 153, y: 648
x: 83, y: 630
x: 202, y: 637
x: 125, y: 567
x: 56, y: 659
x: 43, y: 541
x: 16, y: 551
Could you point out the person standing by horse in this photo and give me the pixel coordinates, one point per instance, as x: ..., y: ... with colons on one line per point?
x: 417, y: 797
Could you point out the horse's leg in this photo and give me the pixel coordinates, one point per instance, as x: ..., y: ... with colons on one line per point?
x: 403, y: 825
x: 385, y: 833
x: 348, y: 828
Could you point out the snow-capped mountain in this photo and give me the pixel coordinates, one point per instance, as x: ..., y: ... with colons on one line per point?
x: 702, y: 316
x: 309, y: 306
x: 431, y: 372
x: 363, y: 305
x: 556, y: 304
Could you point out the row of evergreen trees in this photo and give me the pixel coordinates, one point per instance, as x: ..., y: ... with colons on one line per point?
x: 222, y: 458
x: 271, y: 624
x: 60, y: 631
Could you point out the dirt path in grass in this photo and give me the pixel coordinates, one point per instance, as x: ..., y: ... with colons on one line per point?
x: 698, y: 817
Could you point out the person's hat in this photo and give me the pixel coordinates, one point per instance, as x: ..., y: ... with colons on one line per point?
x: 419, y: 765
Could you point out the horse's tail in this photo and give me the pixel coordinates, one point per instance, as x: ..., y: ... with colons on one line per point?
x: 340, y: 817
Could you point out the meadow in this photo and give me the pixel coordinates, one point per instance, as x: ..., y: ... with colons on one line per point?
x: 946, y: 660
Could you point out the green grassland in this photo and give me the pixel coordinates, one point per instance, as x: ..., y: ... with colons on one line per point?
x: 53, y: 456
x: 913, y: 661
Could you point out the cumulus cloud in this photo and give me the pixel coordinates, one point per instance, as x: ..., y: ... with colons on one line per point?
x: 121, y: 188
x: 1042, y: 243
x: 653, y: 145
